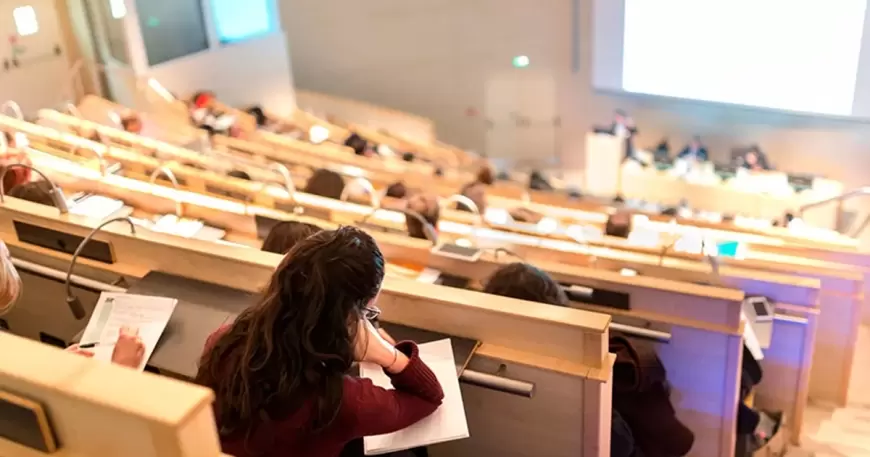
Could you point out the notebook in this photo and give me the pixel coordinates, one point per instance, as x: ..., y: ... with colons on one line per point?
x: 447, y: 423
x: 147, y: 314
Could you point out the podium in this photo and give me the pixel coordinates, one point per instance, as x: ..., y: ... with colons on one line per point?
x: 602, y: 174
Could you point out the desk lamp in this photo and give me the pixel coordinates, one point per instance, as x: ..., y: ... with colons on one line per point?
x: 75, y: 305
x: 56, y: 194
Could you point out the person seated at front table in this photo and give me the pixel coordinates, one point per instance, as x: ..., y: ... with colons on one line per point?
x: 287, y: 234
x: 325, y: 183
x: 426, y: 205
x: 279, y: 372
x: 754, y: 160
x: 695, y: 150
x: 525, y: 282
x: 476, y: 192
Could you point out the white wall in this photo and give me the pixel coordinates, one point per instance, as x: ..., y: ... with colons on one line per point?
x: 433, y: 59
x: 253, y: 71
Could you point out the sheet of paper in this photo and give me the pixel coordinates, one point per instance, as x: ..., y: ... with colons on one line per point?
x: 115, y: 310
x: 447, y: 423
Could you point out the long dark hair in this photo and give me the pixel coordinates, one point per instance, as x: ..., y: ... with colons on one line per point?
x: 286, y: 234
x: 293, y: 348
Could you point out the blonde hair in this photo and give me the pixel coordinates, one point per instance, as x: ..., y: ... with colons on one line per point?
x: 10, y: 282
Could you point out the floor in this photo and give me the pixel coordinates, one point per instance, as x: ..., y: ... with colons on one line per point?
x: 837, y: 432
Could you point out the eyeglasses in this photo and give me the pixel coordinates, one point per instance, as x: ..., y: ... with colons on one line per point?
x: 371, y: 312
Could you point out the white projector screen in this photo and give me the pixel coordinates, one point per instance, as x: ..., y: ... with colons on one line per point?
x: 804, y: 56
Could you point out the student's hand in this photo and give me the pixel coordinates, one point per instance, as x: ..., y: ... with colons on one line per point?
x: 75, y: 349
x: 372, y: 347
x: 129, y: 350
x: 386, y: 336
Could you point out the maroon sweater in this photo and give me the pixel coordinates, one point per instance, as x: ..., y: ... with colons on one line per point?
x: 365, y: 410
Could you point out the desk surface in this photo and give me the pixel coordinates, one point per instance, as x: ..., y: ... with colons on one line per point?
x: 203, y: 307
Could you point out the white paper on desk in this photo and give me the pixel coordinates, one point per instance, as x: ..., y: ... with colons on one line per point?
x: 447, y: 423
x: 115, y: 310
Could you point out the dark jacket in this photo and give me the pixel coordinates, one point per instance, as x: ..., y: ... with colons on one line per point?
x: 642, y: 398
x: 701, y: 155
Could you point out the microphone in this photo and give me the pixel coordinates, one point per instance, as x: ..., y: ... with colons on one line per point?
x: 165, y: 171
x: 75, y: 305
x: 56, y: 194
x: 469, y: 203
x: 367, y: 186
x: 15, y: 107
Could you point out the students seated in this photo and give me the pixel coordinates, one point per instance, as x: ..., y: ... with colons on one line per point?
x: 397, y: 190
x: 427, y: 206
x: 10, y: 283
x: 618, y: 224
x: 205, y: 115
x: 325, y: 183
x: 286, y: 234
x: 537, y: 181
x: 476, y: 192
x: 486, y: 176
x: 280, y: 371
x: 12, y: 155
x: 239, y: 174
x: 359, y: 145
x: 34, y: 191
x: 132, y: 123
x: 695, y: 150
x: 525, y: 282
x: 129, y: 348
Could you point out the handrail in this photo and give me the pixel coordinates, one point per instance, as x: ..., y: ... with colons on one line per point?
x: 839, y: 198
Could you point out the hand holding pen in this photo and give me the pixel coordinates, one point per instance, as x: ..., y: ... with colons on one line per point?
x: 128, y: 351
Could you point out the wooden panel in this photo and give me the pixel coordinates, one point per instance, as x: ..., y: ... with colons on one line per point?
x: 785, y: 384
x: 94, y: 413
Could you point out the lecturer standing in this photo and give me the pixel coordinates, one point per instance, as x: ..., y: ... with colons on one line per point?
x: 622, y: 127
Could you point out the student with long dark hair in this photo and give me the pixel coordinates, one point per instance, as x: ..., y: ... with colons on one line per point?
x: 279, y: 372
x: 286, y: 234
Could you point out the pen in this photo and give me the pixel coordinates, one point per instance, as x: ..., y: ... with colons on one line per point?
x: 92, y: 345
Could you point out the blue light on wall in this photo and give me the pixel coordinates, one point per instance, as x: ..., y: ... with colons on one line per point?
x: 238, y: 20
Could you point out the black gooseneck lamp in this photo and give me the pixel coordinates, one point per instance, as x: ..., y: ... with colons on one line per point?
x: 75, y: 305
x: 57, y: 195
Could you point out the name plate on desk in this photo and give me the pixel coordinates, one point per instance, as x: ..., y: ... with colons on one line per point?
x: 25, y: 422
x: 63, y: 242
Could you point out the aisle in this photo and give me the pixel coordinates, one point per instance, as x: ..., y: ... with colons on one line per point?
x: 837, y: 432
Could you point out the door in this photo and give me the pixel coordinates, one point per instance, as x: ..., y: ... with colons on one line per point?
x: 522, y: 118
x: 33, y: 63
